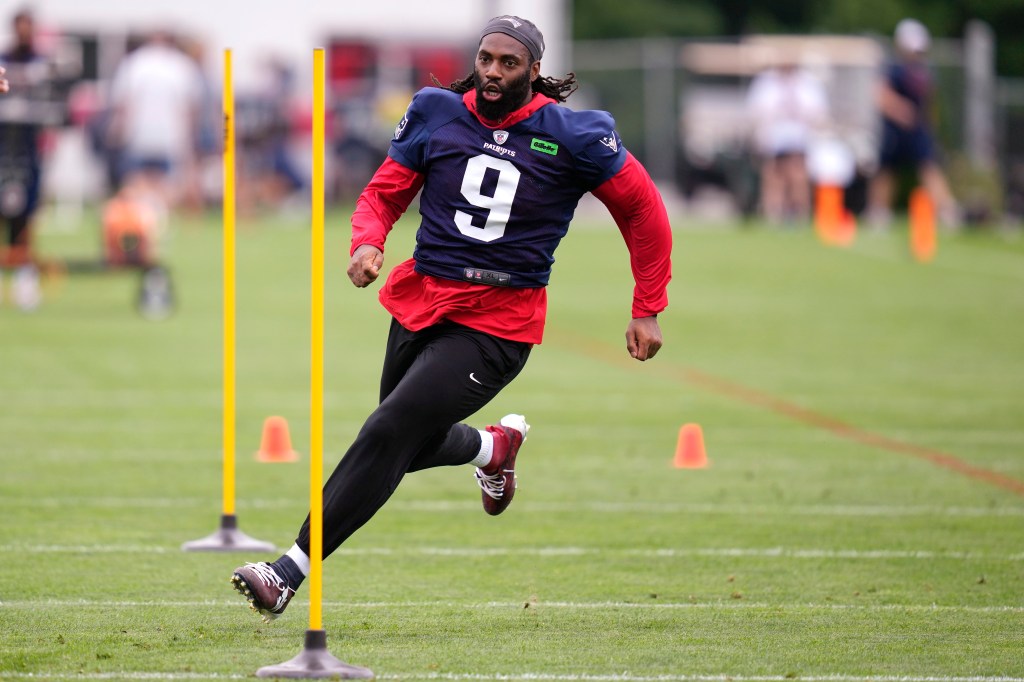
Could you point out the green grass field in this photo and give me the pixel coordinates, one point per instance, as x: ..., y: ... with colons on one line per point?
x: 862, y: 517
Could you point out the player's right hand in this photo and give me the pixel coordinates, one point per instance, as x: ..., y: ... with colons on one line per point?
x: 4, y: 85
x: 364, y: 267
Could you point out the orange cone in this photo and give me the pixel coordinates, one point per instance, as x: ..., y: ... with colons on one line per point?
x: 690, y: 448
x: 922, y: 225
x: 828, y: 213
x: 276, y: 445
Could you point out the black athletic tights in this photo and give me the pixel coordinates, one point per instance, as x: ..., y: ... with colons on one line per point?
x: 432, y: 380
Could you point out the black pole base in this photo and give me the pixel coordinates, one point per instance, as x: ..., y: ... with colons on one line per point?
x: 228, y: 539
x: 315, y: 662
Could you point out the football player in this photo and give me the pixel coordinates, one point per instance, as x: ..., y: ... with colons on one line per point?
x: 499, y: 167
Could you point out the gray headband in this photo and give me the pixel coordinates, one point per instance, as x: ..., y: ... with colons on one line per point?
x: 522, y: 30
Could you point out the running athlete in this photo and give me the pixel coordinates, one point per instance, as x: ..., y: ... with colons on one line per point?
x: 501, y: 167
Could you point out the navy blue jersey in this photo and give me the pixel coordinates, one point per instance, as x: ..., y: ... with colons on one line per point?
x: 500, y: 200
x: 913, y: 81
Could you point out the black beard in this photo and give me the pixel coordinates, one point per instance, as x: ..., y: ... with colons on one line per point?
x: 513, y: 95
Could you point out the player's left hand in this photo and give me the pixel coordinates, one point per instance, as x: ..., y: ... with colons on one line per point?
x: 4, y: 85
x: 643, y: 338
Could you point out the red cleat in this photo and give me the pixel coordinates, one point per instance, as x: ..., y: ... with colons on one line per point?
x: 267, y: 593
x: 498, y: 480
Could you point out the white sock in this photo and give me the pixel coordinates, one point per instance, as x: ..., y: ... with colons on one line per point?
x: 483, y: 458
x: 300, y: 559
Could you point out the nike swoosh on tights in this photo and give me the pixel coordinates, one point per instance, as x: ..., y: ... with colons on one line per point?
x: 473, y: 378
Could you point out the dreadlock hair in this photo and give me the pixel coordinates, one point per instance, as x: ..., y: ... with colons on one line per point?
x: 557, y: 89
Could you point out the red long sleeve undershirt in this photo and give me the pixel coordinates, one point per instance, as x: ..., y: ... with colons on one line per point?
x: 639, y: 212
x: 418, y: 301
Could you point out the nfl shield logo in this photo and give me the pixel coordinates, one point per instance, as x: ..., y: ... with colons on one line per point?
x: 400, y: 128
x: 500, y: 136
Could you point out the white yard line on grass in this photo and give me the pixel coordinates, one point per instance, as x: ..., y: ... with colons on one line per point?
x: 597, y: 605
x: 660, y: 553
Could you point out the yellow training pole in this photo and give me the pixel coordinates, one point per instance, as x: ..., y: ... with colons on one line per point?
x: 228, y: 537
x: 228, y: 425
x: 316, y: 403
x: 315, y: 661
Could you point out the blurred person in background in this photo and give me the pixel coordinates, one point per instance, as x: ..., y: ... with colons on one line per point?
x: 198, y: 190
x: 786, y: 104
x: 269, y: 177
x: 156, y: 103
x: 27, y: 80
x: 356, y: 153
x: 904, y: 101
x: 501, y: 167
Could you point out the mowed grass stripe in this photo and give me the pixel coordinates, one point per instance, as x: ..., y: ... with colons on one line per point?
x: 714, y: 605
x: 662, y: 553
x: 538, y: 677
x: 537, y: 507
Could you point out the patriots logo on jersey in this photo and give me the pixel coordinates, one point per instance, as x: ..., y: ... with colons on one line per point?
x: 610, y: 142
x: 500, y: 136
